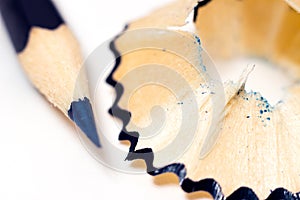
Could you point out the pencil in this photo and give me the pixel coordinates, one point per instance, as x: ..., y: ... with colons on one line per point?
x: 50, y: 56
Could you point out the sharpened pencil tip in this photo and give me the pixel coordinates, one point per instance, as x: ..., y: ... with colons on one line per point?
x: 82, y: 114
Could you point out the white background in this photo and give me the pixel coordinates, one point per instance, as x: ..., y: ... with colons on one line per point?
x: 41, y: 155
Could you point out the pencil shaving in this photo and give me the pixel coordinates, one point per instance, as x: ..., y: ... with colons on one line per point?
x: 256, y: 145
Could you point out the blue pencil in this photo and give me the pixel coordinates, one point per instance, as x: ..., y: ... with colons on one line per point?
x: 50, y: 56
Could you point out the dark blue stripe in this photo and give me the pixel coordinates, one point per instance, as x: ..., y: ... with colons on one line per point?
x: 20, y: 15
x: 199, y: 5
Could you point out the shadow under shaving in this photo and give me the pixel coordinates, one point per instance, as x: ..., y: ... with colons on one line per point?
x: 202, y: 187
